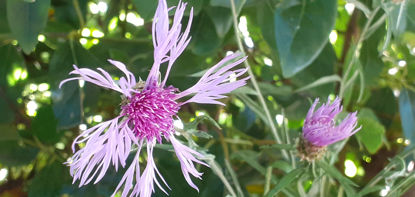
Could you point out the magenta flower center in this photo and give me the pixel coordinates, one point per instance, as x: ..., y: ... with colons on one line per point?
x: 151, y: 112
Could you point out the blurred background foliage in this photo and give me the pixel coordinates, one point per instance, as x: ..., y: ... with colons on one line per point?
x: 362, y: 50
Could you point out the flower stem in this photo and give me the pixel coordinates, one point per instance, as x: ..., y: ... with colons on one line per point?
x: 218, y: 171
x: 268, y: 177
x: 253, y: 79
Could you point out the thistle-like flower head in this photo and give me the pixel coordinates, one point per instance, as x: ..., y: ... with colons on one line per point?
x: 320, y: 129
x: 148, y: 111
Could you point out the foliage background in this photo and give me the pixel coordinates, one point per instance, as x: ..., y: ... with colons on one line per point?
x: 362, y: 50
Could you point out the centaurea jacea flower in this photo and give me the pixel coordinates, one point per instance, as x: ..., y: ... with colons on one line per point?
x: 148, y: 111
x: 320, y: 130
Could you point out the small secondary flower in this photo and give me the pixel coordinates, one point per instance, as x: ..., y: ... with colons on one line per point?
x: 148, y: 111
x: 320, y: 130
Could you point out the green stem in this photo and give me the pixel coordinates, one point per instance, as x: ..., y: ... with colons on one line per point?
x: 234, y: 178
x: 78, y: 13
x: 322, y: 186
x: 380, y: 175
x: 397, y: 189
x: 253, y: 79
x: 268, y: 177
x: 300, y: 189
x: 355, y: 54
x: 340, y: 194
x: 218, y: 171
x: 287, y: 135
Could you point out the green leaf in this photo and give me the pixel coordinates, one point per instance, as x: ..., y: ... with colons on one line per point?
x: 69, y: 53
x: 11, y: 60
x: 8, y: 132
x: 7, y: 114
x: 44, y: 126
x: 245, y: 90
x: 253, y: 106
x: 49, y: 181
x: 198, y: 133
x: 407, y: 111
x: 221, y: 14
x: 266, y: 89
x: 302, y: 32
x: 285, y: 181
x: 198, y: 120
x: 383, y: 111
x: 205, y: 39
x: 297, y: 110
x: 280, y: 146
x: 227, y: 4
x: 352, y: 78
x: 146, y: 9
x: 282, y: 165
x: 67, y: 105
x: 372, y: 132
x: 245, y: 119
x: 411, y: 14
x: 265, y: 20
x: 221, y: 18
x: 370, y: 190
x: 397, y: 16
x: 319, y: 82
x: 319, y: 78
x: 4, y: 28
x: 14, y: 154
x: 66, y: 15
x: 66, y: 101
x: 27, y: 20
x: 269, y: 89
x: 251, y: 158
x: 334, y: 173
x: 369, y: 57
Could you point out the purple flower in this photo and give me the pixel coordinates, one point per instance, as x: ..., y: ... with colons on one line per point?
x: 320, y: 129
x: 148, y: 111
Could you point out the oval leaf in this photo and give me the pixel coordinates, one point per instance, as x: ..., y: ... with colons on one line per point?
x: 407, y: 111
x: 27, y: 20
x: 301, y: 33
x: 372, y: 132
x: 285, y: 181
x: 319, y: 82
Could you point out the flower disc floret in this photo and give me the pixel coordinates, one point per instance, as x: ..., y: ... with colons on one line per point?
x: 151, y: 112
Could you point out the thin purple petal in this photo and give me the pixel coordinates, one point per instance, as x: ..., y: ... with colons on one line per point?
x: 319, y: 126
x: 105, y: 144
x: 217, y: 81
x: 187, y: 157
